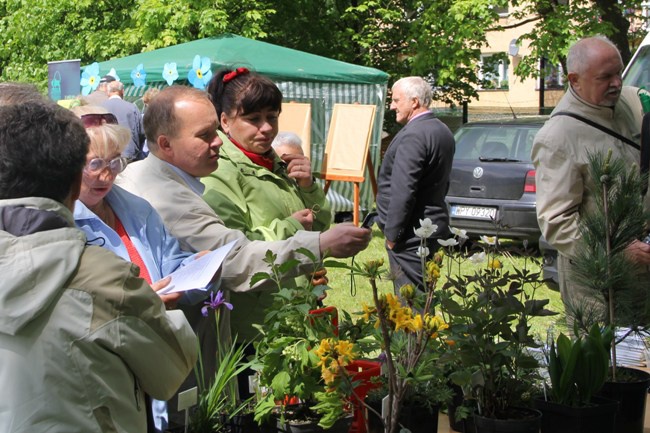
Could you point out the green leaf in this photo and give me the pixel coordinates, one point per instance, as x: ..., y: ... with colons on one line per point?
x: 280, y: 383
x: 288, y: 265
x: 259, y: 276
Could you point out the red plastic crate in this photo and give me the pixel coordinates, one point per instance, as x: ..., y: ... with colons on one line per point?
x: 327, y: 312
x: 362, y: 372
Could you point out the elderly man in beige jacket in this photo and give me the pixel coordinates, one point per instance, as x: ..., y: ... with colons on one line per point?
x: 562, y: 147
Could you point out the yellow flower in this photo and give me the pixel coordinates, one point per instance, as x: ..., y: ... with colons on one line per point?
x: 434, y: 324
x: 433, y: 270
x: 494, y: 264
x: 368, y: 312
x: 345, y: 351
x: 324, y: 348
x: 407, y: 291
x: 393, y: 302
x: 373, y: 266
x: 402, y: 318
x: 328, y: 375
x: 417, y: 323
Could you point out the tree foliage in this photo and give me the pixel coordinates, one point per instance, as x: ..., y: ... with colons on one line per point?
x: 438, y: 39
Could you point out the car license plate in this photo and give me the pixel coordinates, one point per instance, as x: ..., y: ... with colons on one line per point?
x: 474, y: 212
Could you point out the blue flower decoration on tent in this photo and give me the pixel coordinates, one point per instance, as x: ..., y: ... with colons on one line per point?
x: 113, y: 73
x: 89, y: 78
x: 170, y: 74
x: 200, y: 74
x: 138, y: 76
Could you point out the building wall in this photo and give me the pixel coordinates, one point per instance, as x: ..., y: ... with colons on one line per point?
x: 521, y: 96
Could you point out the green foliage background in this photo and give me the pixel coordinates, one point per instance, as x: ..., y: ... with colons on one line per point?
x: 439, y: 39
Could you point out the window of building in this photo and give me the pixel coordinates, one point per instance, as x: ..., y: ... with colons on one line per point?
x: 493, y: 72
x: 553, y: 77
x: 502, y: 11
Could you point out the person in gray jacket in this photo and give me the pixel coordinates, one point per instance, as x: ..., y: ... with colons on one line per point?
x: 81, y: 337
x: 413, y: 180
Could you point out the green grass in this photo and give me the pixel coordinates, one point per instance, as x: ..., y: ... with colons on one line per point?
x: 346, y: 299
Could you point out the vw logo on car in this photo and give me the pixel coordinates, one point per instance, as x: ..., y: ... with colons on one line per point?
x: 478, y: 172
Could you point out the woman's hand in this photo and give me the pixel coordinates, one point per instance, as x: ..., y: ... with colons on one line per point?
x: 305, y: 217
x: 299, y: 168
x: 169, y: 300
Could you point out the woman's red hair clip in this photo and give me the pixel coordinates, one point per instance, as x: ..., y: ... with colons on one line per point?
x: 230, y: 75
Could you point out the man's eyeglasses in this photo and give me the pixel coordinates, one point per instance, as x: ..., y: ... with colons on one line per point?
x: 96, y: 119
x: 97, y: 165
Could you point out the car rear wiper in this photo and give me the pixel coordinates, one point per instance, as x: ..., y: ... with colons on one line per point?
x: 488, y: 159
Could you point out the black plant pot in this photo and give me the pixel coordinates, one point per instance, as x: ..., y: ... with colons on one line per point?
x: 596, y: 418
x: 243, y: 424
x: 523, y: 421
x: 631, y: 395
x: 460, y: 425
x: 417, y: 419
x: 340, y: 426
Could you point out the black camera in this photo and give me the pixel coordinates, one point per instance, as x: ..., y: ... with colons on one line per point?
x: 369, y: 220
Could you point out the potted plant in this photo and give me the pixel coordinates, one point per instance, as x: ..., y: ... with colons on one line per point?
x: 618, y: 286
x: 493, y: 361
x: 218, y: 400
x: 410, y: 336
x: 301, y: 361
x: 420, y: 407
x: 577, y: 371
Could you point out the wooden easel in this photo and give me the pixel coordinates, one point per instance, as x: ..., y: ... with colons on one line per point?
x: 357, y: 187
x: 296, y: 117
x: 346, y: 152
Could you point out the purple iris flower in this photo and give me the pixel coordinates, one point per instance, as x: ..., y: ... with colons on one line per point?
x: 382, y: 357
x: 216, y: 300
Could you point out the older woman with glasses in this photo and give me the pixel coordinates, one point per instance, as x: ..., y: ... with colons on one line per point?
x: 118, y: 220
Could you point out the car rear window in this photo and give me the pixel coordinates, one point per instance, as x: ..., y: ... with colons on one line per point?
x: 495, y: 141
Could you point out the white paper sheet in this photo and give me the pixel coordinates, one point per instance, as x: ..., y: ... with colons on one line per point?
x: 197, y: 274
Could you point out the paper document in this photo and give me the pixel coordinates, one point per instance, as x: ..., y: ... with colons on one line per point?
x: 198, y: 273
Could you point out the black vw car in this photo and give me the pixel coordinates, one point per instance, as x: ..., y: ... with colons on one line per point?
x: 492, y: 183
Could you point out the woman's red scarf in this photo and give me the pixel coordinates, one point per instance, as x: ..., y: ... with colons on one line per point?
x: 266, y: 160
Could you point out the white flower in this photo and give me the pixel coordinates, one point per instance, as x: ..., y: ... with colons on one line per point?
x: 490, y: 240
x: 459, y: 232
x: 422, y: 252
x: 477, y: 258
x: 427, y: 228
x: 451, y: 242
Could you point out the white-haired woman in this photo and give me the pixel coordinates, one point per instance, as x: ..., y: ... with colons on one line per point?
x: 120, y: 221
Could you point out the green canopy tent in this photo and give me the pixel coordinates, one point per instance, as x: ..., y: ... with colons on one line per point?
x: 302, y: 77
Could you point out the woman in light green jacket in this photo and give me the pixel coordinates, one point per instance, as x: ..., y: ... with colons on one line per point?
x: 254, y: 190
x: 268, y: 197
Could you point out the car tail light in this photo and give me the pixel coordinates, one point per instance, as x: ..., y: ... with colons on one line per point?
x: 529, y: 183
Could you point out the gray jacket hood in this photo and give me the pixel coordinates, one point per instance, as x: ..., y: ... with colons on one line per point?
x: 39, y: 252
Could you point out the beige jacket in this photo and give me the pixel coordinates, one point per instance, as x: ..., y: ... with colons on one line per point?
x: 81, y: 338
x: 197, y: 227
x: 560, y: 154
